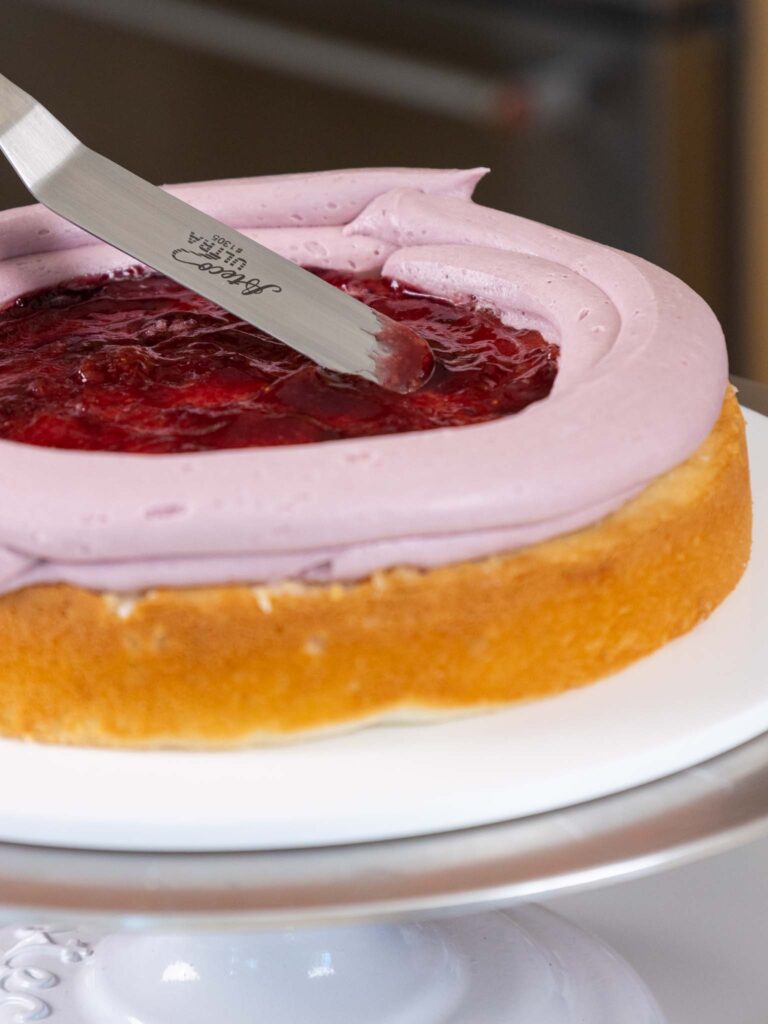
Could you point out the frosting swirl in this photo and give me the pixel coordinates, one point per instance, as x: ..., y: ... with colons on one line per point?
x: 641, y: 380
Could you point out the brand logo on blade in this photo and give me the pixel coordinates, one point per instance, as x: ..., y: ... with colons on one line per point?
x: 219, y: 257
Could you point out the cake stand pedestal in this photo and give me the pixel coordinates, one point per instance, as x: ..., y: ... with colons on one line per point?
x: 526, y: 966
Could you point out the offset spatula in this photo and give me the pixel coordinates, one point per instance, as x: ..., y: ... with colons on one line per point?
x: 258, y: 286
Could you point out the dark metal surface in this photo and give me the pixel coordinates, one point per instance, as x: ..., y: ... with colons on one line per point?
x: 752, y: 394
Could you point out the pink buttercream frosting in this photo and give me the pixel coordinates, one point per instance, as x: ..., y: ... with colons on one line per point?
x: 640, y: 383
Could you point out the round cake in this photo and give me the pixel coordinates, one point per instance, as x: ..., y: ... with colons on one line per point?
x: 207, y: 541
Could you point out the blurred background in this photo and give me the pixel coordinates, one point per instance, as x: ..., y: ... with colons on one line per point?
x: 635, y: 122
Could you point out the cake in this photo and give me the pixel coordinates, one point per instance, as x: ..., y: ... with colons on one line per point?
x: 291, y: 570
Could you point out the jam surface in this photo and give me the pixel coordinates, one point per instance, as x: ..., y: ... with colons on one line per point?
x: 134, y: 362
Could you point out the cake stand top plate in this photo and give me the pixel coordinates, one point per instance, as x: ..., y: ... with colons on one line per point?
x: 700, y: 810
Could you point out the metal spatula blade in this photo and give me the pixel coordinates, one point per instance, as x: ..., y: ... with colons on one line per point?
x: 255, y: 284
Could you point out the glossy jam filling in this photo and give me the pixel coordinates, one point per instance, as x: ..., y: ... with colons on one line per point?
x: 136, y: 363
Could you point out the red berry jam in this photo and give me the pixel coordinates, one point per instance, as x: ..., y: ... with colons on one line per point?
x: 136, y: 363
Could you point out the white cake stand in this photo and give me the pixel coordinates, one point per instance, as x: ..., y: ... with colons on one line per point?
x: 351, y: 934
x: 389, y: 931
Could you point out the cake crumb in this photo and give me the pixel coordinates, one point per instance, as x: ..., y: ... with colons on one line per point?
x: 290, y: 587
x: 314, y: 645
x: 263, y: 600
x: 121, y: 605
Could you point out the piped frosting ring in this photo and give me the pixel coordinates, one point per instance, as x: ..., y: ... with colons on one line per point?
x: 640, y: 384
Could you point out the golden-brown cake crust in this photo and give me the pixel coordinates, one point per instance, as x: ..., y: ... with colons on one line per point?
x: 229, y: 665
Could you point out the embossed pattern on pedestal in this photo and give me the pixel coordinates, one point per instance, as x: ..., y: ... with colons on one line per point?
x: 498, y: 967
x: 37, y: 962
